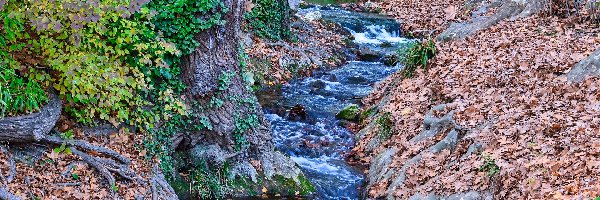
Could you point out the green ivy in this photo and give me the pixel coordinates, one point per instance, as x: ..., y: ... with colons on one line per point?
x: 270, y: 19
x: 242, y: 125
x: 181, y: 20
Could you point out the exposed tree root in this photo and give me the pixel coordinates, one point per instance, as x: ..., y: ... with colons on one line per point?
x: 107, y: 167
x: 12, y: 171
x: 160, y: 187
x: 37, y: 128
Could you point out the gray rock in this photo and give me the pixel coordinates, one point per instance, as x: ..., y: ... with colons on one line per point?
x: 509, y: 9
x: 294, y: 4
x: 357, y: 80
x: 587, y: 67
x: 369, y: 55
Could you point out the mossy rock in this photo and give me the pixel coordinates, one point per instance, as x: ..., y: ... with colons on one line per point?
x: 367, y: 114
x: 349, y: 113
x: 276, y: 186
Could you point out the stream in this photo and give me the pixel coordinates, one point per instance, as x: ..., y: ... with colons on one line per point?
x: 317, y: 142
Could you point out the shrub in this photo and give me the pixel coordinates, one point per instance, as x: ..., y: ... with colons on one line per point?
x: 416, y: 56
x: 17, y: 94
x: 95, y: 51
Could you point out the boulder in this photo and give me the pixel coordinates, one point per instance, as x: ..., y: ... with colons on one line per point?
x: 357, y: 80
x: 349, y: 113
x: 507, y: 9
x: 368, y: 54
x: 587, y: 67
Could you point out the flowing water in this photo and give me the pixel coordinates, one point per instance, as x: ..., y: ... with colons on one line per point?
x: 319, y: 143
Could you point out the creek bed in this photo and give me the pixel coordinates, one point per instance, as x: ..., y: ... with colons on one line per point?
x: 317, y: 143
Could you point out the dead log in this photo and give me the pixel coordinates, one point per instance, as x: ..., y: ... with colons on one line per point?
x: 32, y: 127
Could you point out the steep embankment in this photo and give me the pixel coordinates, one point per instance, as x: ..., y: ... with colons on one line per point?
x: 494, y: 116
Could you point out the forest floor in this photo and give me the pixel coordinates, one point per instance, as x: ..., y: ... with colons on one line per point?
x: 508, y: 91
x: 43, y: 173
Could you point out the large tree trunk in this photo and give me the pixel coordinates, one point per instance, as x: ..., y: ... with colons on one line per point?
x: 218, y: 55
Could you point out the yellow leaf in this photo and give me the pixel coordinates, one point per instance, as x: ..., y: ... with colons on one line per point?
x: 264, y: 189
x: 406, y: 111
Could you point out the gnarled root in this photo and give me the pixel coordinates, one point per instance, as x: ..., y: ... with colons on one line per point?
x: 12, y: 172
x: 160, y: 186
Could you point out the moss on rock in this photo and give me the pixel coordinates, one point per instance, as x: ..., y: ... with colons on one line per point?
x: 278, y: 185
x: 349, y: 113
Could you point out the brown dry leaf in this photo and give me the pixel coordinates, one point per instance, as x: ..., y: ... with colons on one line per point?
x: 450, y: 12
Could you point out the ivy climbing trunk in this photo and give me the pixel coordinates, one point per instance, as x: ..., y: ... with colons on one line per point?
x: 240, y: 137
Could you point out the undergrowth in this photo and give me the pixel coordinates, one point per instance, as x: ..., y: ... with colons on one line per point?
x: 416, y: 56
x: 18, y: 94
x: 270, y: 19
x: 489, y: 166
x: 385, y: 124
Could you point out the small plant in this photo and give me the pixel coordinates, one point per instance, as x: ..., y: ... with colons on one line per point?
x: 385, y: 124
x: 225, y: 80
x: 63, y: 148
x: 207, y: 184
x: 243, y: 124
x: 417, y: 56
x: 489, y: 166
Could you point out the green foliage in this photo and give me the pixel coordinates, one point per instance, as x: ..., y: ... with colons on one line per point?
x: 209, y: 184
x: 225, y: 80
x: 243, y: 124
x: 489, y: 166
x: 385, y: 124
x: 269, y: 19
x: 63, y: 148
x: 181, y: 20
x: 17, y: 94
x: 417, y: 56
x: 95, y: 51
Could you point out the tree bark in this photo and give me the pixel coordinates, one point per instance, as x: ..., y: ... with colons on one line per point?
x: 217, y: 55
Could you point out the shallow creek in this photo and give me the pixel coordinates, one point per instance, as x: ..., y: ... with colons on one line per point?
x: 318, y: 144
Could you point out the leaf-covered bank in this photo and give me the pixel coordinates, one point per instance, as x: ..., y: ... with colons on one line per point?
x: 493, y: 116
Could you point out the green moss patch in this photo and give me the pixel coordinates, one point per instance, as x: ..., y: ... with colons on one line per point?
x: 349, y: 113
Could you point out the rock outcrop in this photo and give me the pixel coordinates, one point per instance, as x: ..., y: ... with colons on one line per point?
x: 587, y: 67
x: 505, y: 9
